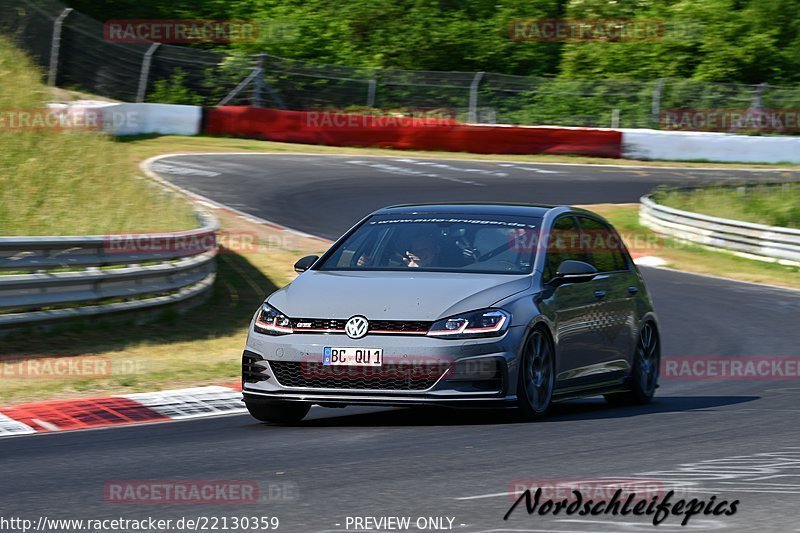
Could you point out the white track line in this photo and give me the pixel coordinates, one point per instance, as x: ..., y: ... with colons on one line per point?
x: 599, y: 165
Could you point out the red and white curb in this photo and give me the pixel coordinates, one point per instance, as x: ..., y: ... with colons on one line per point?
x: 126, y: 409
x: 9, y: 426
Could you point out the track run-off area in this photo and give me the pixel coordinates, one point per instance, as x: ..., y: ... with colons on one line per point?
x: 737, y: 439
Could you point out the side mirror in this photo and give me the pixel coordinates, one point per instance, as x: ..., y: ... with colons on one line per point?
x: 571, y: 271
x: 305, y: 263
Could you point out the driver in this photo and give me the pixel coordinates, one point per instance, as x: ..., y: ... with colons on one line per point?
x: 423, y: 251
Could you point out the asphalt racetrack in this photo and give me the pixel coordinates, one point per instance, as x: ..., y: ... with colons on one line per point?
x: 729, y: 439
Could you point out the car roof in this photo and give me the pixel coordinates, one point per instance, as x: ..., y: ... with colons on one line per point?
x: 469, y: 208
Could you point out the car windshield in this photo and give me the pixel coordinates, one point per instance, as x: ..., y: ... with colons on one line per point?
x: 439, y: 242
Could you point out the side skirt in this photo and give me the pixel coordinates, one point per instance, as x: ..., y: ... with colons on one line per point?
x: 596, y: 389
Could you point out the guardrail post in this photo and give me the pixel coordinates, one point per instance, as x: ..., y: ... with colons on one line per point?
x: 758, y: 96
x: 472, y: 117
x: 615, y: 118
x: 258, y: 88
x: 145, y: 72
x: 655, y: 107
x: 372, y: 88
x: 55, y: 46
x: 242, y: 84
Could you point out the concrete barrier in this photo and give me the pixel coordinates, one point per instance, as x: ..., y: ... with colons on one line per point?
x: 707, y: 146
x: 137, y: 119
x: 407, y: 133
x: 339, y: 129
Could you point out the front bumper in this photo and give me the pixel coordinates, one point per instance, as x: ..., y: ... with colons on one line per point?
x: 418, y: 370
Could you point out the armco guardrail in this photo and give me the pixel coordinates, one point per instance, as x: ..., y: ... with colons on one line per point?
x: 49, y: 278
x: 770, y: 243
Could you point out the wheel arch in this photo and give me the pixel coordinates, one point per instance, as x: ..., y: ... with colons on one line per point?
x: 541, y: 322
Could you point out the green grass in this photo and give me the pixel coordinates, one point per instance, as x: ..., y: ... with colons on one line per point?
x: 770, y: 205
x: 70, y: 183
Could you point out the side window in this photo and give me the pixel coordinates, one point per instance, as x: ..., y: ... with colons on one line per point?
x: 360, y: 245
x: 563, y: 243
x: 603, y: 245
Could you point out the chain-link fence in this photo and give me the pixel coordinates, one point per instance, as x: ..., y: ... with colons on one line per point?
x: 73, y: 50
x: 75, y: 54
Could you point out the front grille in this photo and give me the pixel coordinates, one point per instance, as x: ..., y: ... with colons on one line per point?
x: 387, y: 377
x: 251, y: 372
x: 376, y: 327
x: 317, y: 324
x: 400, y: 326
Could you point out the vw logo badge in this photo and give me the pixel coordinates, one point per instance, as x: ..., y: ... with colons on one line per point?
x: 356, y: 327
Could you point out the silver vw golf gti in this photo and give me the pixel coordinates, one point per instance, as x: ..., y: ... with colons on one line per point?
x: 460, y: 305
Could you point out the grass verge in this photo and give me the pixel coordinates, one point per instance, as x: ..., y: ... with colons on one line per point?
x: 771, y: 205
x: 55, y: 182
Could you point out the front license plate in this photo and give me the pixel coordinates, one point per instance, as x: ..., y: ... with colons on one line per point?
x: 352, y: 356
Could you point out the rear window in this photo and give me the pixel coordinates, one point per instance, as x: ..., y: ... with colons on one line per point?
x: 441, y: 242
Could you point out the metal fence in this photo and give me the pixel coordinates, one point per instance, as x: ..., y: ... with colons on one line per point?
x: 50, y: 278
x: 76, y: 55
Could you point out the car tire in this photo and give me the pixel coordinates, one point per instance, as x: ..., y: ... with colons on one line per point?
x: 286, y: 413
x: 646, y: 365
x: 536, y: 376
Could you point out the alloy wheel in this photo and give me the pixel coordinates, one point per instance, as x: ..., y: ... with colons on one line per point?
x: 538, y: 372
x: 648, y: 358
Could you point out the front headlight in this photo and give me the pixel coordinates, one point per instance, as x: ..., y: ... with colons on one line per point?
x: 485, y: 323
x: 272, y: 322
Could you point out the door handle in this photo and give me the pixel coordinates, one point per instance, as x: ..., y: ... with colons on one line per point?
x: 633, y: 290
x: 599, y: 294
